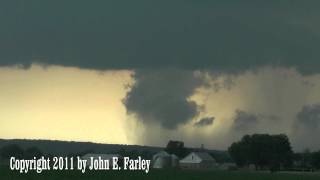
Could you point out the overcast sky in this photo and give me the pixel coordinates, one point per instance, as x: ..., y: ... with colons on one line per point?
x: 145, y: 72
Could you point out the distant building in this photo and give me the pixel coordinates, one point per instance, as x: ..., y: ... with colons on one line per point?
x: 109, y: 157
x: 163, y: 159
x: 198, y: 160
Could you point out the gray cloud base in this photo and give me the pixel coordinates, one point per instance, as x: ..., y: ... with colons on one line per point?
x: 226, y: 36
x: 164, y: 41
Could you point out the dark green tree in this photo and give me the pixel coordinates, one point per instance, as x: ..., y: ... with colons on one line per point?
x: 177, y: 148
x: 262, y: 150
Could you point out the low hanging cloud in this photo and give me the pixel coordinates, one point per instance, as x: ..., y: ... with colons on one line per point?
x: 206, y: 121
x: 307, y: 127
x: 244, y: 121
x: 309, y: 117
x: 250, y: 122
x: 162, y: 97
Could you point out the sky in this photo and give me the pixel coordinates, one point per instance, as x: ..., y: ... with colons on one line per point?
x: 144, y: 72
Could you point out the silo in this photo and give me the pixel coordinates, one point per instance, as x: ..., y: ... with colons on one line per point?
x: 163, y: 161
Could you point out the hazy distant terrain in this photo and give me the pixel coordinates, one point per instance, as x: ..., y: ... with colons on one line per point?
x: 70, y: 147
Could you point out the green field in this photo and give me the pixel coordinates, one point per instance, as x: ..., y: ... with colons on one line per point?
x: 7, y: 174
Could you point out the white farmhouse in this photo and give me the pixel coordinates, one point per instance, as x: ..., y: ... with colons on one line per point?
x: 198, y: 160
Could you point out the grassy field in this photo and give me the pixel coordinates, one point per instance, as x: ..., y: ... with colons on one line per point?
x: 6, y: 174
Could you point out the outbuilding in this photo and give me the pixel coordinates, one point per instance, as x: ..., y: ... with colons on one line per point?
x: 198, y: 160
x: 163, y: 159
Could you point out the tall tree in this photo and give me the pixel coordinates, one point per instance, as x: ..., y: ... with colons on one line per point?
x: 177, y: 148
x: 262, y: 150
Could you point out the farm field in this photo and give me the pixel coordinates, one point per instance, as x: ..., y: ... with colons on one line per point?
x: 6, y: 174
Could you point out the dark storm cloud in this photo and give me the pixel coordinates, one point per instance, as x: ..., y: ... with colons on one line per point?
x: 247, y: 122
x: 309, y: 116
x: 207, y: 121
x: 161, y: 96
x: 151, y: 36
x: 271, y: 118
x: 221, y: 35
x: 244, y: 121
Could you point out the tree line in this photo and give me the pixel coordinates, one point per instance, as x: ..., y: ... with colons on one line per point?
x: 13, y: 150
x: 273, y: 152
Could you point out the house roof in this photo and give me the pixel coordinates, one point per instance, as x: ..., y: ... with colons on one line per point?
x: 197, y: 157
x: 204, y: 156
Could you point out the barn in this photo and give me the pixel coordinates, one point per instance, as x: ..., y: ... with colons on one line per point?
x: 198, y: 160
